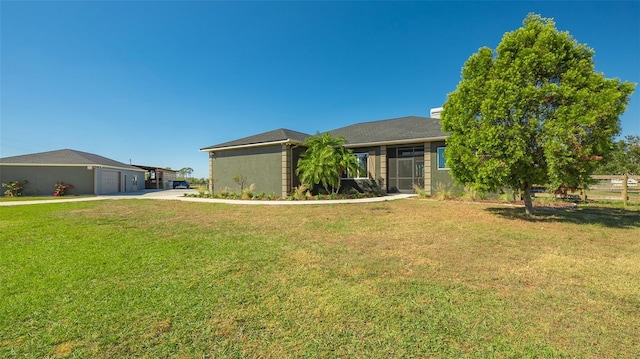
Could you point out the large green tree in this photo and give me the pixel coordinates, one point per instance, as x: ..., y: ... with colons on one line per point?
x: 533, y: 112
x: 325, y: 162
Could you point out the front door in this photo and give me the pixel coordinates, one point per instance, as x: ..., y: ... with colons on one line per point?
x: 405, y: 174
x: 405, y: 169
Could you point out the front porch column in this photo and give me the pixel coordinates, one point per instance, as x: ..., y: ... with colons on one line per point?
x: 383, y: 168
x: 211, y: 179
x: 427, y: 167
x: 286, y: 170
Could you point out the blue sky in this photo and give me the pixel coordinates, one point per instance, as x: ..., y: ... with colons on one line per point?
x: 153, y: 82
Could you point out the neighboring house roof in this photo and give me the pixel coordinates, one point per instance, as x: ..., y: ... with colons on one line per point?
x: 64, y: 157
x: 279, y: 136
x: 396, y: 130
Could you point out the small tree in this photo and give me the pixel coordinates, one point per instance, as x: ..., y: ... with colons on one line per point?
x: 535, y: 113
x: 240, y: 180
x: 185, y: 172
x: 623, y: 159
x: 325, y: 161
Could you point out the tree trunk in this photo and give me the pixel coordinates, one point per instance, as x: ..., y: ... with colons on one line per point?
x: 526, y: 196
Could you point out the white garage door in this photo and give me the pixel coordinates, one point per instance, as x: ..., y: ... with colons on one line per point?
x: 110, y: 181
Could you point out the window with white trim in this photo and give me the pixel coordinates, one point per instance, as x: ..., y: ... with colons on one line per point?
x: 363, y: 166
x: 442, y: 162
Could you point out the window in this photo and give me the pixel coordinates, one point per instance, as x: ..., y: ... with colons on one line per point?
x: 363, y: 166
x: 442, y: 165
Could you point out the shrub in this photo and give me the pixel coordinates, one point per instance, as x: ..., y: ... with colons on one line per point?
x: 355, y: 194
x: 14, y: 188
x: 471, y: 194
x: 223, y: 193
x: 421, y: 192
x: 443, y: 191
x: 247, y: 193
x: 60, y: 187
x: 301, y: 192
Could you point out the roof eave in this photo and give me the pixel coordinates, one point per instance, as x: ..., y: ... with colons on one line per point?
x: 396, y: 142
x: 70, y: 165
x: 251, y: 145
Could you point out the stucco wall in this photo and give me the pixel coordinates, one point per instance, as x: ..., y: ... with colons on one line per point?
x: 438, y: 175
x: 128, y: 177
x: 42, y: 179
x: 126, y: 180
x: 261, y: 166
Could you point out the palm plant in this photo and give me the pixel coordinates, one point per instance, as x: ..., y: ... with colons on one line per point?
x: 347, y: 163
x: 325, y: 161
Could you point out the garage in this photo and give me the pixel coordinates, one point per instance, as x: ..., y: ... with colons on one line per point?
x: 110, y: 181
x: 86, y: 173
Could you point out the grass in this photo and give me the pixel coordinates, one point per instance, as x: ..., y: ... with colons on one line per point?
x: 144, y: 278
x: 632, y: 193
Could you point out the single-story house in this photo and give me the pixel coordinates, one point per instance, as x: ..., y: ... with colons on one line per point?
x: 87, y: 173
x: 395, y: 155
x: 158, y: 178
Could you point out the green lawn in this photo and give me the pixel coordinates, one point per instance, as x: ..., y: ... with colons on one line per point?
x: 411, y: 278
x: 633, y: 194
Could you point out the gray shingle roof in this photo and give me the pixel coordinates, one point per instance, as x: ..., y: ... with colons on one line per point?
x: 64, y: 157
x: 281, y: 134
x: 393, y: 130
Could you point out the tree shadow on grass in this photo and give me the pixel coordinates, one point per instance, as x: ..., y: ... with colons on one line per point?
x: 604, y: 216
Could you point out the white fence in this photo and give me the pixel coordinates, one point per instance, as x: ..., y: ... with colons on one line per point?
x: 614, y: 183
